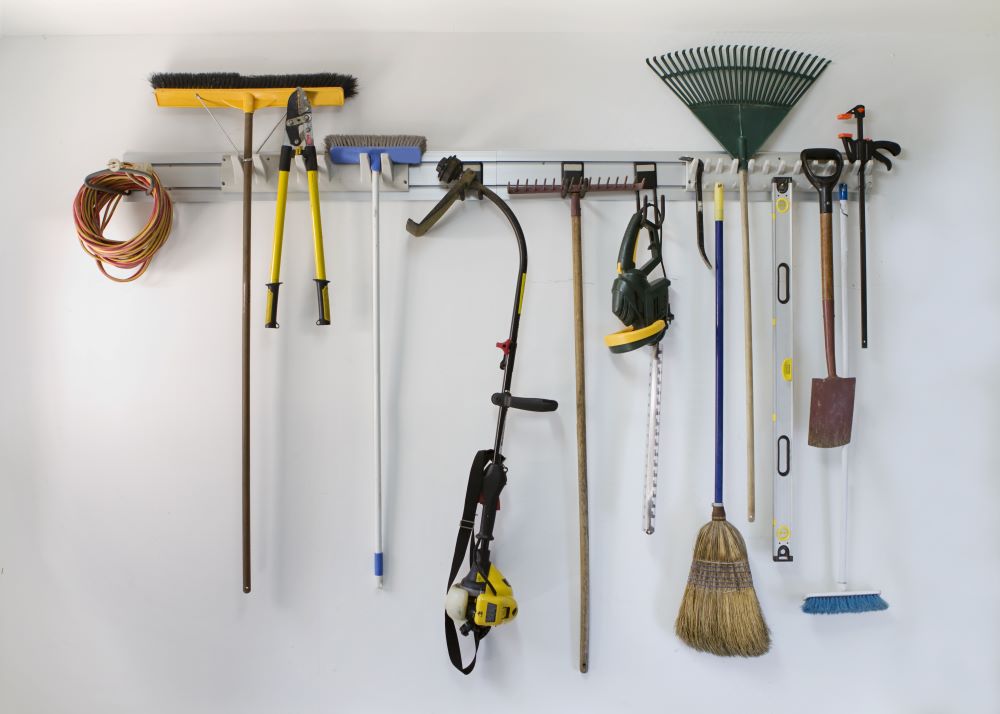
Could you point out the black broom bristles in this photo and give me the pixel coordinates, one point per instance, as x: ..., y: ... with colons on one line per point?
x: 234, y: 80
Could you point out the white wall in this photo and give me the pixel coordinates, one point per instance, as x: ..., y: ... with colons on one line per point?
x: 119, y: 488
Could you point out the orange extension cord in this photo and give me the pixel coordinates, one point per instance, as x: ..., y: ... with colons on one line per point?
x: 95, y: 204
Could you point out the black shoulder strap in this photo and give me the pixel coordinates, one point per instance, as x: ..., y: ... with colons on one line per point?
x: 468, y: 522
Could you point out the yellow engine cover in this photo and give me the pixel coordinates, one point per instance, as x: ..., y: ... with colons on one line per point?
x: 497, y: 605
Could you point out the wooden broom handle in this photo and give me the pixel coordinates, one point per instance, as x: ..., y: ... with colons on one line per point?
x: 581, y: 434
x: 748, y: 346
x: 247, y: 204
x: 826, y: 265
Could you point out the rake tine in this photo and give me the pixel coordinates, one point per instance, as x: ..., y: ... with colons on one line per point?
x: 681, y: 84
x: 692, y: 78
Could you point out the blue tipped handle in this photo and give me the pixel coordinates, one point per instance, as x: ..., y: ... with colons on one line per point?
x: 718, y: 361
x: 378, y: 564
x: 843, y: 192
x: 397, y: 154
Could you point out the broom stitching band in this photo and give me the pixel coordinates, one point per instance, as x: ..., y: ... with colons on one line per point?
x: 720, y: 576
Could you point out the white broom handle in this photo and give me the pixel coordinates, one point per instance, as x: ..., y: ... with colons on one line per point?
x: 376, y: 379
x: 845, y: 366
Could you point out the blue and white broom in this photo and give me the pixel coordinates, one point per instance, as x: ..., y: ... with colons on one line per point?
x: 844, y: 600
x: 373, y: 153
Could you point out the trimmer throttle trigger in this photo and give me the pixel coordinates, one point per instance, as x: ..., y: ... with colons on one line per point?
x: 505, y: 348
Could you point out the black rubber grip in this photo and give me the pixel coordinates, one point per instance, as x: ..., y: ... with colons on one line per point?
x: 309, y: 157
x: 493, y: 483
x: 285, y: 160
x: 528, y: 404
x: 322, y: 301
x: 272, y: 305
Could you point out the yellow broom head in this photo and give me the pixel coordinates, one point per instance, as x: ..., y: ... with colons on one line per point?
x: 720, y: 612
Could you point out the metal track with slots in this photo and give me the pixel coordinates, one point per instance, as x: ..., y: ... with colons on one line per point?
x: 212, y: 177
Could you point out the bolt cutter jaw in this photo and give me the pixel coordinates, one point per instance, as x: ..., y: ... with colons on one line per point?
x: 298, y: 119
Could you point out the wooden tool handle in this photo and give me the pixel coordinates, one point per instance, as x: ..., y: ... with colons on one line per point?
x: 581, y: 435
x: 247, y: 204
x: 826, y: 266
x: 748, y: 347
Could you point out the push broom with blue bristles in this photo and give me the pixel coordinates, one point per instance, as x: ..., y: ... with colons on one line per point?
x: 373, y: 154
x: 844, y: 600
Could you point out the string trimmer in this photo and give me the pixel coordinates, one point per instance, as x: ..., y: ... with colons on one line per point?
x: 644, y: 306
x: 740, y: 94
x: 483, y: 599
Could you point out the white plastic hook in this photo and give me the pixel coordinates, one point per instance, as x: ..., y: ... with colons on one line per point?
x: 797, y: 168
x: 751, y: 166
x: 365, y: 167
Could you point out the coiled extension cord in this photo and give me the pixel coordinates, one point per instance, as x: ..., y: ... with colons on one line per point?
x: 95, y: 204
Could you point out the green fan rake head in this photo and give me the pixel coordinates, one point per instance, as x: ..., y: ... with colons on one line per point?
x: 739, y: 93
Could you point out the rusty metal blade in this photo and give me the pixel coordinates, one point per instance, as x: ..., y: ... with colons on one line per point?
x: 831, y: 412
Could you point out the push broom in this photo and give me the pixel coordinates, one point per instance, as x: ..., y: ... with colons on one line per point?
x: 373, y: 154
x: 720, y: 612
x: 740, y: 94
x: 843, y: 601
x: 247, y: 92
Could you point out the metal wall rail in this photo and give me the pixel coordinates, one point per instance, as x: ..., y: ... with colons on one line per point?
x: 212, y: 177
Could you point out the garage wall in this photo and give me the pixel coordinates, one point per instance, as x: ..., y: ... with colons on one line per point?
x: 119, y: 425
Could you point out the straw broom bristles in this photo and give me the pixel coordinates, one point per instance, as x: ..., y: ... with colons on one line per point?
x: 720, y: 612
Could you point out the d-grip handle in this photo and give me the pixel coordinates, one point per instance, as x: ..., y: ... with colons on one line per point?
x: 824, y: 183
x: 528, y: 404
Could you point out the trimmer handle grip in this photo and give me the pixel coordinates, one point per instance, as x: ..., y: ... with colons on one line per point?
x: 528, y: 404
x: 493, y: 483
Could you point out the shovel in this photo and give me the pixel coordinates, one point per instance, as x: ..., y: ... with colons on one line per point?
x: 831, y: 410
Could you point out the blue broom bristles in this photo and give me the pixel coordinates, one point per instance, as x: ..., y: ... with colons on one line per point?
x: 838, y: 604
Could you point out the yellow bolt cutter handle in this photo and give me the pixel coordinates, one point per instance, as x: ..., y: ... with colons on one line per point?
x: 284, y: 166
x: 322, y: 289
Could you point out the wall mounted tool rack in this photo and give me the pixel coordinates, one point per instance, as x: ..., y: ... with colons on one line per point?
x: 213, y: 177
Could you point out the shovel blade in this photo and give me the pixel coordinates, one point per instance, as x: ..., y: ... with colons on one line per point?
x: 831, y: 412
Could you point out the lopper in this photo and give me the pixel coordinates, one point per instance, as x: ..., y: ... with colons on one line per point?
x: 298, y: 142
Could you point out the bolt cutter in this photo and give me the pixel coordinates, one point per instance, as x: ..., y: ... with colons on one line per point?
x: 298, y: 141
